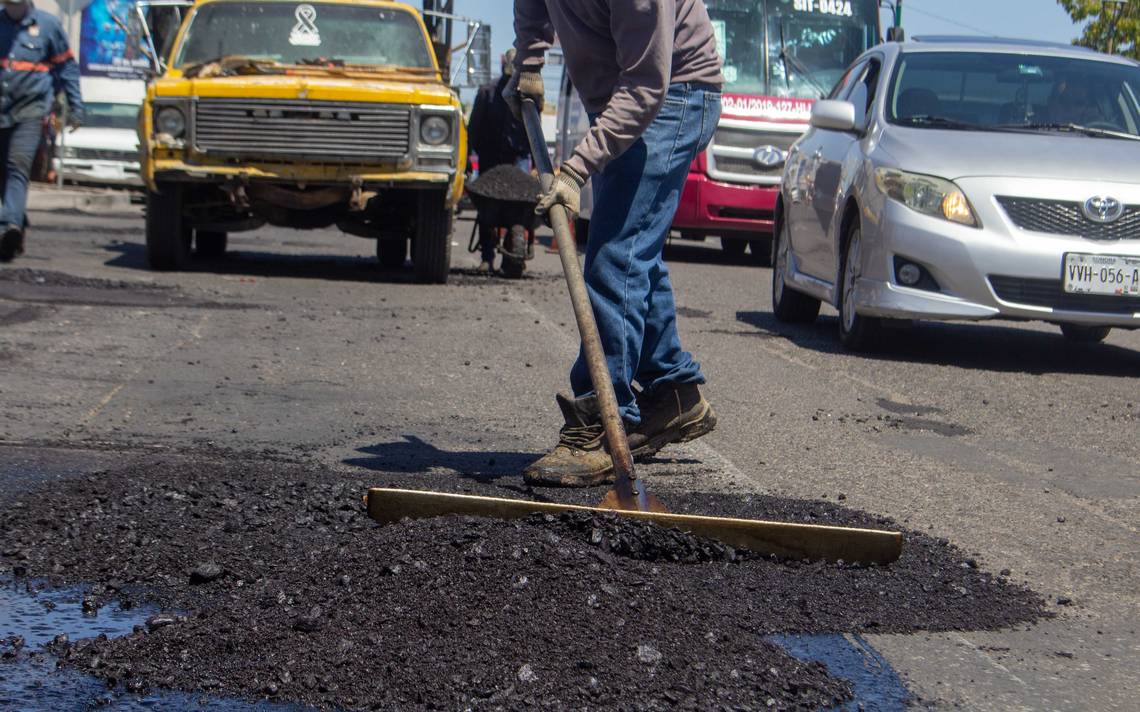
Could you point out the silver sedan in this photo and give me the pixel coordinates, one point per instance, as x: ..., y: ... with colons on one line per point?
x: 950, y: 179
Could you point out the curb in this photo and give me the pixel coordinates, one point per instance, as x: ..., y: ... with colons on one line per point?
x: 84, y: 201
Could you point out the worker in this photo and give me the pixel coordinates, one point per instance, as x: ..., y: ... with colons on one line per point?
x: 35, y: 65
x: 498, y: 138
x: 649, y: 75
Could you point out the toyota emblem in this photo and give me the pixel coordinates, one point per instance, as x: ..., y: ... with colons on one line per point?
x: 1103, y: 209
x: 769, y: 157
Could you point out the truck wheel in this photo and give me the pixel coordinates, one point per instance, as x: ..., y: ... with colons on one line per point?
x: 391, y: 253
x: 788, y: 305
x: 1080, y: 334
x: 761, y: 249
x: 210, y: 243
x: 733, y: 247
x: 431, y: 247
x: 167, y: 237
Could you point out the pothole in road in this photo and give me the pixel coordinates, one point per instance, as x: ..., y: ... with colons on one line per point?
x: 307, y: 597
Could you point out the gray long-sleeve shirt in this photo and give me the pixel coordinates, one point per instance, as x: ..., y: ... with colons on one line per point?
x: 622, y: 56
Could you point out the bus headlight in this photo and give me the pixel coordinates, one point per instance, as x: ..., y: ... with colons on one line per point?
x: 435, y: 130
x: 170, y: 121
x: 926, y: 194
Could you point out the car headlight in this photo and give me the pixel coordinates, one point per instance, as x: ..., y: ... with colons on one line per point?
x: 926, y: 194
x: 70, y: 152
x: 170, y: 121
x: 435, y: 130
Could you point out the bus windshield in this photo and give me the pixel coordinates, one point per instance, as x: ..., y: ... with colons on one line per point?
x: 791, y: 48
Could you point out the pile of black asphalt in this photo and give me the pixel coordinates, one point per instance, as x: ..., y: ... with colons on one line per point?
x: 277, y: 585
x: 506, y: 183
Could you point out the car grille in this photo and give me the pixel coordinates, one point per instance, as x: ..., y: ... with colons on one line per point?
x: 1067, y: 218
x: 101, y: 154
x: 334, y: 131
x: 730, y: 155
x: 1050, y: 293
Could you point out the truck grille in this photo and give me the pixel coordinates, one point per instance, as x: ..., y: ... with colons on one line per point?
x: 1060, y: 217
x: 731, y: 156
x: 1050, y: 293
x: 332, y: 131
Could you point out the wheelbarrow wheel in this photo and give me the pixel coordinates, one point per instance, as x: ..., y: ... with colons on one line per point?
x: 514, y: 253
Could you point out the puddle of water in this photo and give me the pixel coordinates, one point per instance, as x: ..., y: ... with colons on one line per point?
x: 876, y: 685
x: 31, y: 683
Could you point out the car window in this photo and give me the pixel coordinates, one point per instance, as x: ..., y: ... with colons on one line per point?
x: 979, y: 90
x: 862, y: 93
x: 844, y: 83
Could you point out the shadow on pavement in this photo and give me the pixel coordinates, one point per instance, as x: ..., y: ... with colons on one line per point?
x: 413, y: 455
x: 989, y: 347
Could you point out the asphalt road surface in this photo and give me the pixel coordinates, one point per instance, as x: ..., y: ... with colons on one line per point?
x: 1015, y: 445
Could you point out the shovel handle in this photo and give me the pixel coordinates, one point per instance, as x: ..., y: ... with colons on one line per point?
x: 631, y: 494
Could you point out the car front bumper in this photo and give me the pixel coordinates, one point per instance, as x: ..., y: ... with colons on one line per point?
x: 100, y: 172
x: 997, y: 271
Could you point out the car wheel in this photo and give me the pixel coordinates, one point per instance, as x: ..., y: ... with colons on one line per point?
x: 167, y: 236
x: 788, y: 305
x: 761, y: 250
x: 733, y: 247
x: 210, y: 243
x: 856, y: 332
x: 392, y: 252
x: 431, y: 248
x: 1080, y: 334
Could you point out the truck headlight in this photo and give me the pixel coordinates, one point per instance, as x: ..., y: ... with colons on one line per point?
x: 170, y: 121
x: 435, y: 130
x: 928, y: 195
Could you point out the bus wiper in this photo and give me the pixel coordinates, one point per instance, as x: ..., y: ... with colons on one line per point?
x: 938, y: 122
x: 1071, y: 128
x: 788, y: 58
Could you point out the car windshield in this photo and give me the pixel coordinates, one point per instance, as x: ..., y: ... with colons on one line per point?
x: 790, y: 48
x: 999, y: 91
x: 111, y: 116
x: 296, y: 33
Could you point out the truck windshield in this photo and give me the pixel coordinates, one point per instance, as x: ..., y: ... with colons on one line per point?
x: 996, y: 91
x: 295, y: 33
x: 791, y: 48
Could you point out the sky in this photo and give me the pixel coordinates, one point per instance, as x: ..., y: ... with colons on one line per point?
x: 1027, y: 19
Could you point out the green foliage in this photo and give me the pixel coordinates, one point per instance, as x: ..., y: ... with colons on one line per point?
x: 1100, y: 33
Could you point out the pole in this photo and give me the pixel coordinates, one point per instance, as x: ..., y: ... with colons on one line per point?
x: 66, y: 7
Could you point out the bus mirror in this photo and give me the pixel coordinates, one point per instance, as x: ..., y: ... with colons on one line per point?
x: 896, y: 34
x: 833, y: 115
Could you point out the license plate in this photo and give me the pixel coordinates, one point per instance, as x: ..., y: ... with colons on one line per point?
x: 1111, y: 275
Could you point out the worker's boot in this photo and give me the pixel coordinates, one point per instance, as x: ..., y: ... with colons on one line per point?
x: 11, y: 243
x: 672, y: 413
x: 580, y: 459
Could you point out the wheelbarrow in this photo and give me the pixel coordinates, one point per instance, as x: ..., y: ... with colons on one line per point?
x: 509, y: 224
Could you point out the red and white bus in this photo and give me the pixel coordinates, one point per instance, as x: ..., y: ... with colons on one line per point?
x: 779, y: 57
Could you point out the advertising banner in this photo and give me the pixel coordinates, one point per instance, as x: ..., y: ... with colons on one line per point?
x: 110, y: 38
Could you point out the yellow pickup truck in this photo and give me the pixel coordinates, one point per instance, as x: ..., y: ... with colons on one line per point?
x: 303, y: 115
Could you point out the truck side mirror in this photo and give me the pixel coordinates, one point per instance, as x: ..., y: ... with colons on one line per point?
x: 478, y: 55
x: 833, y: 115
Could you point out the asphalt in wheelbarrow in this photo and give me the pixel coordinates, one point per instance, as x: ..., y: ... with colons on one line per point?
x: 290, y: 592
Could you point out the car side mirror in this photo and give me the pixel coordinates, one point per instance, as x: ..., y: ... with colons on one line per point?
x: 833, y: 115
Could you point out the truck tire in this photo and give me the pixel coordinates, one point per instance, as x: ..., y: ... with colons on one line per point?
x: 210, y: 243
x: 391, y: 252
x: 167, y: 237
x: 431, y: 246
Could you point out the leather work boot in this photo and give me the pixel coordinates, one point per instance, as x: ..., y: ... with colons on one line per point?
x: 673, y: 413
x: 580, y: 458
x: 11, y: 243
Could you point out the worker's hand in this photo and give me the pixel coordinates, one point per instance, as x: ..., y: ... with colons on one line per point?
x: 525, y: 84
x: 74, y: 122
x: 565, y: 190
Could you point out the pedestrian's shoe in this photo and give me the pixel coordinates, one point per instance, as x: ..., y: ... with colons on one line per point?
x: 484, y: 268
x: 580, y: 458
x: 672, y: 413
x: 11, y: 243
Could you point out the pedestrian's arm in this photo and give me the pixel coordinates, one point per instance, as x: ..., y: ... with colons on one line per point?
x: 643, y: 32
x: 533, y: 34
x: 65, y: 74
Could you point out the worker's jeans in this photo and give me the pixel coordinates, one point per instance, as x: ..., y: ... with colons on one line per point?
x: 18, y: 144
x: 635, y: 199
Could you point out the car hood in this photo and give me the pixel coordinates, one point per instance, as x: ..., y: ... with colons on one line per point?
x: 969, y: 154
x: 103, y: 139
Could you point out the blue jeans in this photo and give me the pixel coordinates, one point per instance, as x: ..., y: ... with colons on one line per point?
x: 635, y: 199
x: 18, y: 144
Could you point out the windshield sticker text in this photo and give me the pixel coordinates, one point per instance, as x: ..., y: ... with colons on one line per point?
x: 305, y: 32
x: 841, y: 8
x: 766, y: 108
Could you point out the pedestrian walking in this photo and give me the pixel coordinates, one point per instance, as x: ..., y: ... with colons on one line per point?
x: 498, y: 138
x: 35, y: 65
x: 649, y: 75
